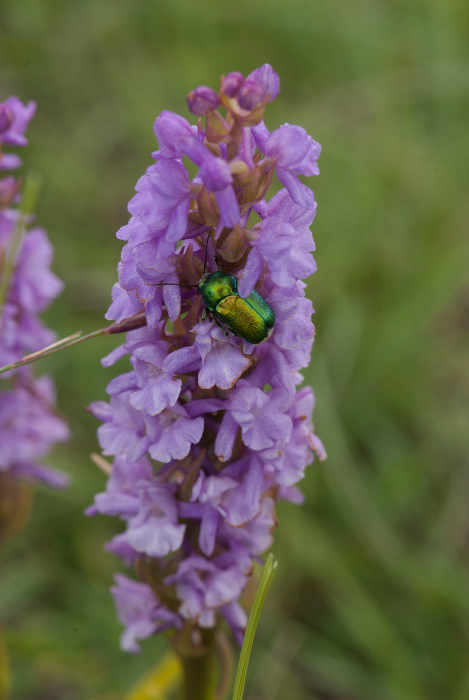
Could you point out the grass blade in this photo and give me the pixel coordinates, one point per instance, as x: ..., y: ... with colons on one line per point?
x: 264, y: 583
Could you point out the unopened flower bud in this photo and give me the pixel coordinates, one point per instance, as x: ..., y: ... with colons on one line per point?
x: 231, y: 83
x: 202, y: 100
x: 262, y: 85
x: 250, y: 95
x: 267, y: 78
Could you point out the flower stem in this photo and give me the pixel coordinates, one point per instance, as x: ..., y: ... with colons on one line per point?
x: 200, y: 660
x: 200, y: 676
x: 225, y: 652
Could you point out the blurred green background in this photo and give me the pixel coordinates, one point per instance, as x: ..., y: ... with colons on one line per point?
x: 371, y: 600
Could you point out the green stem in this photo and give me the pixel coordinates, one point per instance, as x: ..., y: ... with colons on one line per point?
x: 197, y: 651
x: 200, y: 675
x: 225, y: 652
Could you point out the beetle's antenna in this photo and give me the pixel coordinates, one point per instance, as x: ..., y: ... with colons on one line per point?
x: 206, y: 252
x: 175, y: 284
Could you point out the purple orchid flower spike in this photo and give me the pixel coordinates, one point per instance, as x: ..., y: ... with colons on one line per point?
x: 208, y: 430
x: 29, y: 424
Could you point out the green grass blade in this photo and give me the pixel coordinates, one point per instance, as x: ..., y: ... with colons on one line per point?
x: 264, y: 583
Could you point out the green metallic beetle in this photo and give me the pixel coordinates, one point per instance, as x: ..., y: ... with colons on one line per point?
x: 250, y: 318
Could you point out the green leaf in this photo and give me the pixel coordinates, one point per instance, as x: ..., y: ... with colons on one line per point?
x: 264, y: 583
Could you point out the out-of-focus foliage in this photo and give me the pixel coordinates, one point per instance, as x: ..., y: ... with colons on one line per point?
x: 371, y: 600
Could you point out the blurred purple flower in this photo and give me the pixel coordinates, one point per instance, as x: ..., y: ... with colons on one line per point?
x: 29, y: 424
x: 14, y: 119
x: 28, y: 429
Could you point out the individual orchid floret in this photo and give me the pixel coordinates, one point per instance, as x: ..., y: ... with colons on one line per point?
x: 14, y: 119
x: 261, y: 416
x: 161, y: 205
x: 206, y: 586
x: 284, y: 249
x: 123, y: 431
x: 155, y: 530
x: 295, y: 153
x: 288, y: 459
x: 121, y: 496
x: 207, y: 424
x: 221, y: 362
x: 140, y: 612
x: 177, y: 138
x: 157, y: 389
x: 171, y: 433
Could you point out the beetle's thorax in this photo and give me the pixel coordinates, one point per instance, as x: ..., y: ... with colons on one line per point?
x: 215, y: 286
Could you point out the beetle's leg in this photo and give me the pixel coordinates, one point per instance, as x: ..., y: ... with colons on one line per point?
x: 202, y: 317
x: 226, y: 331
x: 217, y: 322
